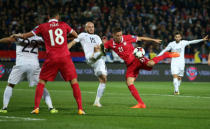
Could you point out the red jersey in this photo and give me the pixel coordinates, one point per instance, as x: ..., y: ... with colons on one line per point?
x: 54, y: 34
x: 124, y: 49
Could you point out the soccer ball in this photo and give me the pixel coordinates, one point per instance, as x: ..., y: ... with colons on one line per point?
x: 139, y: 52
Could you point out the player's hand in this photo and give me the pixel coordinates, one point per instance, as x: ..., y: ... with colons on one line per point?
x: 205, y: 38
x: 157, y: 41
x: 97, y: 48
x: 19, y: 35
x: 104, y: 39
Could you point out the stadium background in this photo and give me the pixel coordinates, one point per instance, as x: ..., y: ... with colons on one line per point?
x: 152, y: 18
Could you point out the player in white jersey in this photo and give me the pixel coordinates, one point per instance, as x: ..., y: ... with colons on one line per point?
x: 91, y: 45
x: 178, y: 64
x: 26, y: 65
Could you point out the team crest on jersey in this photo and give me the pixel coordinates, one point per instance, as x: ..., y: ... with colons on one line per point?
x: 192, y: 73
x: 2, y: 71
x: 124, y: 43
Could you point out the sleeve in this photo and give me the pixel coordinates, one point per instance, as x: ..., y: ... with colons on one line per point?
x: 99, y: 41
x: 106, y: 45
x: 37, y: 30
x: 79, y: 38
x: 131, y: 38
x: 168, y: 48
x: 192, y: 42
x: 69, y: 29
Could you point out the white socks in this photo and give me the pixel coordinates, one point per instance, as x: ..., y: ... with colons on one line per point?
x: 100, y: 92
x: 47, y: 98
x: 7, y: 96
x: 179, y: 82
x: 176, y: 84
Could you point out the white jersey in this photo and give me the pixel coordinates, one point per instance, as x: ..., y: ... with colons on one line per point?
x: 27, y: 51
x: 179, y: 48
x: 88, y: 42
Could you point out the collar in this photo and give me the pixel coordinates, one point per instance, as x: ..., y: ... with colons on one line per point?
x: 51, y: 20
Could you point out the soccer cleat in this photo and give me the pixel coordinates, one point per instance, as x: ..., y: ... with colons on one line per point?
x: 139, y: 106
x: 3, y: 110
x: 81, y: 112
x: 53, y: 111
x: 176, y: 93
x: 97, y: 105
x: 172, y: 54
x: 35, y: 111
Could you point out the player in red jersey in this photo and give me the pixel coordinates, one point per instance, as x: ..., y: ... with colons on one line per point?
x: 58, y: 58
x: 122, y: 45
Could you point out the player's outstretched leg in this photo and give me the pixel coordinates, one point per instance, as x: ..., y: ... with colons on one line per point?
x: 165, y: 55
x: 48, y: 101
x: 135, y: 93
x: 38, y: 96
x: 6, y: 97
x: 77, y: 96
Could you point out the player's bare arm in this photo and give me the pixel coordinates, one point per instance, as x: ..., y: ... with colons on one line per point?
x: 7, y: 40
x: 71, y: 44
x: 23, y: 36
x: 205, y: 38
x: 74, y: 34
x: 149, y: 39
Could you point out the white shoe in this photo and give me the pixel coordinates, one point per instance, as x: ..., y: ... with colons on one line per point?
x: 97, y: 105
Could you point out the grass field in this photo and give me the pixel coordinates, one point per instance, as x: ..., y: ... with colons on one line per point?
x: 190, y: 110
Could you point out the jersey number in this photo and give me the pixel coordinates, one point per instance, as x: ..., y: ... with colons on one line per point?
x: 59, y: 39
x: 33, y: 43
x: 120, y: 49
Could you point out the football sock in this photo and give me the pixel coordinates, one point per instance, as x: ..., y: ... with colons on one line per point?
x: 176, y: 84
x: 7, y: 96
x: 179, y: 82
x: 100, y: 91
x: 47, y: 98
x: 38, y: 94
x: 135, y: 93
x: 160, y: 58
x: 77, y: 95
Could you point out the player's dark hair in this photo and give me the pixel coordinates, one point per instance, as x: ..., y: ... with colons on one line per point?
x: 116, y: 29
x: 53, y: 12
x: 177, y: 32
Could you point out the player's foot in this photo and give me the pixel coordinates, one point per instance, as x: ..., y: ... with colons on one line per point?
x: 35, y: 111
x: 139, y: 105
x: 3, y: 110
x: 176, y: 93
x: 81, y: 112
x: 97, y: 104
x: 53, y: 111
x: 172, y: 54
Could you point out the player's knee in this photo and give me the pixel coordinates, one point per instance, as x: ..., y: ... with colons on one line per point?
x: 103, y: 79
x: 74, y: 81
x: 150, y: 63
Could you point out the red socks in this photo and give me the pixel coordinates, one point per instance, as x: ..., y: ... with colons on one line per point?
x: 135, y: 93
x: 38, y: 94
x: 159, y: 58
x: 77, y: 95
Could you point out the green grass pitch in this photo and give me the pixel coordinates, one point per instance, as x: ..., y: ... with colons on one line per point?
x: 190, y: 110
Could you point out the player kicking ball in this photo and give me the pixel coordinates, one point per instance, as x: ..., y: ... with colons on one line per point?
x: 27, y: 63
x: 91, y: 45
x: 58, y: 58
x: 178, y: 64
x: 122, y: 45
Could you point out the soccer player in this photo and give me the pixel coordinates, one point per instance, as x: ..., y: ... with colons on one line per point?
x: 91, y: 45
x: 27, y: 63
x: 122, y: 45
x: 58, y: 58
x: 178, y: 64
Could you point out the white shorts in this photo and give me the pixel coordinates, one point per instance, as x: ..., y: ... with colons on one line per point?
x: 19, y: 72
x: 99, y: 67
x: 177, y: 69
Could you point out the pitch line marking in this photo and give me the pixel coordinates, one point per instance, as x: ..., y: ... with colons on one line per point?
x: 14, y: 118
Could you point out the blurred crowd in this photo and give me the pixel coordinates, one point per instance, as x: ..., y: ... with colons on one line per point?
x: 152, y: 18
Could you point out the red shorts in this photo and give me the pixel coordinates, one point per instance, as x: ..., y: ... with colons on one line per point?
x: 64, y: 65
x: 136, y: 65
